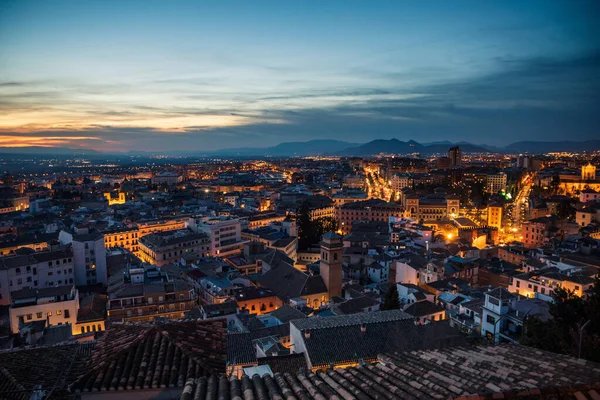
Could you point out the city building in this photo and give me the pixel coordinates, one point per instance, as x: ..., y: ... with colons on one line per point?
x: 331, y: 263
x: 162, y: 248
x: 35, y: 270
x: 166, y: 178
x: 444, y: 163
x: 89, y: 255
x: 572, y: 184
x: 369, y: 210
x: 433, y: 207
x: 126, y: 237
x: 587, y: 213
x: 494, y: 214
x: 257, y: 300
x: 145, y: 292
x: 401, y: 181
x: 10, y: 243
x: 14, y: 204
x: 455, y: 156
x: 545, y: 280
x: 53, y: 306
x: 224, y: 234
x: 504, y: 314
x: 355, y: 181
x: 496, y: 182
x: 163, y: 225
x: 535, y: 232
x: 115, y: 198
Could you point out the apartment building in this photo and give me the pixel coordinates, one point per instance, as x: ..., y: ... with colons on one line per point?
x: 224, y: 232
x: 35, y: 270
x: 545, y: 280
x: 369, y: 210
x: 89, y: 255
x: 54, y: 305
x: 496, y: 182
x: 164, y: 248
x: 11, y: 243
x: 144, y: 292
x: 126, y: 237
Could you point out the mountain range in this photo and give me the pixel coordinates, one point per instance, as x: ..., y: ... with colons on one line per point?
x: 338, y: 148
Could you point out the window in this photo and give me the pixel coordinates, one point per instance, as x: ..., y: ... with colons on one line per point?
x: 576, y: 288
x: 518, y: 283
x: 82, y: 329
x: 29, y: 317
x: 58, y: 312
x: 67, y: 314
x: 39, y: 315
x: 490, y: 320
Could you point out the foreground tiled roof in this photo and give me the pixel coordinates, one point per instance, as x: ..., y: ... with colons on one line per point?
x: 504, y: 371
x: 346, y: 320
x: 140, y: 356
x: 350, y: 344
x: 240, y: 350
x: 50, y: 367
x: 291, y: 363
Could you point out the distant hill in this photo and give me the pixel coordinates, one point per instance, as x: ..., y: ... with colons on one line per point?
x: 548, y: 147
x: 289, y: 149
x: 399, y: 147
x: 35, y: 150
x: 330, y: 147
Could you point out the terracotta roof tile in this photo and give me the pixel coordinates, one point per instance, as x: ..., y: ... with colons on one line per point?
x: 492, y: 372
x: 139, y: 356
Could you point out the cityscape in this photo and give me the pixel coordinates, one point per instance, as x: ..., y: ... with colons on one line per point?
x: 309, y: 231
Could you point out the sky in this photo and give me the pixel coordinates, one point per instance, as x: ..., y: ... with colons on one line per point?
x: 198, y: 75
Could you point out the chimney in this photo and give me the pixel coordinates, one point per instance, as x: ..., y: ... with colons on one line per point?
x: 307, y: 334
x: 363, y: 328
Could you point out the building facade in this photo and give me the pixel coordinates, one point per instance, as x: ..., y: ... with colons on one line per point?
x: 35, y: 270
x: 164, y: 248
x: 56, y: 306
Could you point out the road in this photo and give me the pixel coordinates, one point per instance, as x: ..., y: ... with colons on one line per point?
x: 520, y: 208
x: 377, y: 187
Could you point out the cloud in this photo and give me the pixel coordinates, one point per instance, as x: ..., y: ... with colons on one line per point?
x: 533, y: 98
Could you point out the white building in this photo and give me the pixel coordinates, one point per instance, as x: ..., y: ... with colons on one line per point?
x: 56, y: 306
x: 35, y: 270
x: 399, y: 182
x: 503, y: 314
x: 378, y: 273
x: 167, y: 178
x: 89, y: 255
x: 496, y: 182
x: 224, y: 233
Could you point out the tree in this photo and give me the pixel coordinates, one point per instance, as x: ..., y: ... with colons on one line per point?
x: 306, y: 231
x: 555, y: 183
x: 560, y: 333
x: 309, y: 230
x: 390, y: 301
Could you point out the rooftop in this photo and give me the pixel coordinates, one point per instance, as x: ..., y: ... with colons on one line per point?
x: 349, y: 320
x: 503, y: 371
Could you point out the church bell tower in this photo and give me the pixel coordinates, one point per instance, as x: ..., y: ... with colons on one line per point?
x: 331, y: 262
